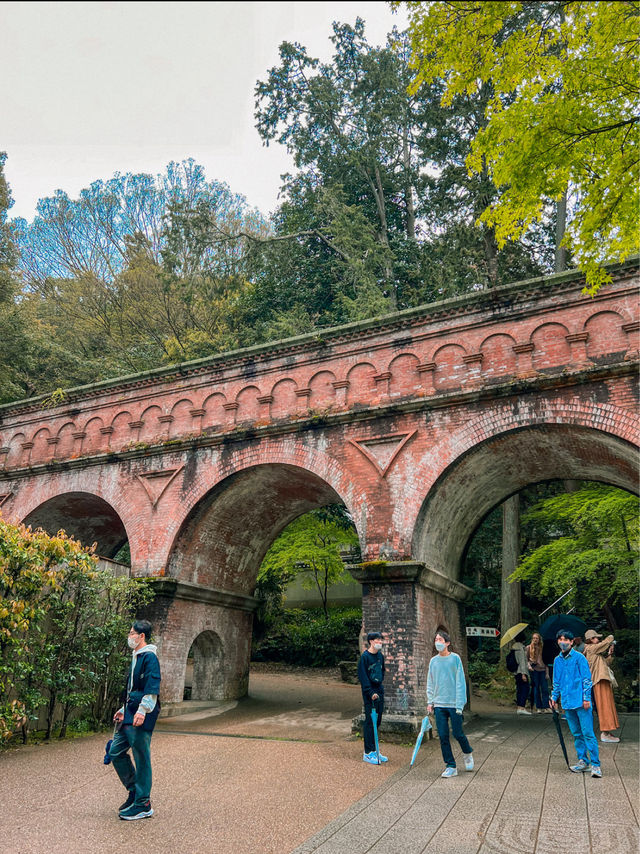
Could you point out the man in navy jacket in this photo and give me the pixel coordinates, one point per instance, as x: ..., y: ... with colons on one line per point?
x: 371, y: 675
x: 135, y: 721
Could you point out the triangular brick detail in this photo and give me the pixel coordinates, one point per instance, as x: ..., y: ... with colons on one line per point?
x: 156, y: 482
x: 381, y: 451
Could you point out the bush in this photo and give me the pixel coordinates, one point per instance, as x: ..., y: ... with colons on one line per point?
x: 307, y: 638
x: 481, y: 670
x: 63, y: 623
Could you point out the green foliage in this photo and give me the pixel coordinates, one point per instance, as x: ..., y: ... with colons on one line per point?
x: 62, y: 627
x: 310, y: 546
x: 310, y: 638
x: 593, y: 547
x: 482, y: 669
x: 561, y: 116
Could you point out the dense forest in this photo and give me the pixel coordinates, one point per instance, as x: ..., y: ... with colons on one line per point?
x: 381, y: 214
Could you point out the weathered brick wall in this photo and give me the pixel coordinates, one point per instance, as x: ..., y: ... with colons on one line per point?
x: 419, y: 423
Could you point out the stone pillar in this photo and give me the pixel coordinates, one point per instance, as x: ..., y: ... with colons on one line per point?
x: 408, y: 603
x: 180, y: 612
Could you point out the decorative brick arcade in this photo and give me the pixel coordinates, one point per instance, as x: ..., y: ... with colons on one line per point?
x: 420, y: 423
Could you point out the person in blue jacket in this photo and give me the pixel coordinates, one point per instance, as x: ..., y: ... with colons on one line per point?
x: 135, y: 721
x: 572, y: 686
x: 447, y: 695
x: 371, y: 676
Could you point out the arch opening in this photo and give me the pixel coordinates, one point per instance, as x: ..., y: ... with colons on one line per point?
x: 87, y: 518
x: 222, y: 542
x: 205, y: 673
x: 489, y: 473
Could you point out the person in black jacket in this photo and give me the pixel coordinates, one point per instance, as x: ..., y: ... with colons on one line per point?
x: 371, y: 676
x: 135, y: 721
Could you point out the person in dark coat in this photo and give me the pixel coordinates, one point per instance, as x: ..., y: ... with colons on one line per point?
x: 371, y: 676
x: 135, y: 721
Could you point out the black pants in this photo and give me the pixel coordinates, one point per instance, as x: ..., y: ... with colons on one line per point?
x: 369, y: 740
x: 522, y: 690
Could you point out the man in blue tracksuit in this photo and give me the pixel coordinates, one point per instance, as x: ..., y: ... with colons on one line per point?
x: 572, y: 686
x: 135, y: 721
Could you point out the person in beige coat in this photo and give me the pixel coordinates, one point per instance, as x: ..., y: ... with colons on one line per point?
x: 597, y: 651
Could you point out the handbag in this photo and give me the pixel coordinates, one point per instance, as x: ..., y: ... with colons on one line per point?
x: 612, y: 678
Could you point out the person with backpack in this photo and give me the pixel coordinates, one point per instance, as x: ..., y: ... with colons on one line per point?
x: 371, y: 676
x: 516, y: 663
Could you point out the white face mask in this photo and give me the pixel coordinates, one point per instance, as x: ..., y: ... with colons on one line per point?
x: 377, y: 646
x: 440, y: 646
x: 133, y: 642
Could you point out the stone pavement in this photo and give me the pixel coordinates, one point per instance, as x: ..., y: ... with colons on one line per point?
x: 279, y: 768
x: 520, y: 799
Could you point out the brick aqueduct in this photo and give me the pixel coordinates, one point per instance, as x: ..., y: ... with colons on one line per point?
x: 420, y: 422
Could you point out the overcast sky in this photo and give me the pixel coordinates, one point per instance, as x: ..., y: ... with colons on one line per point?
x: 89, y: 89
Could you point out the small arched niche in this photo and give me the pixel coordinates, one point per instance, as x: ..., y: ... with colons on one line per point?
x: 205, y: 675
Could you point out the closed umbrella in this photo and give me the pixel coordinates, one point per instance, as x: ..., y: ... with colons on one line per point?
x: 511, y: 633
x: 426, y: 726
x: 556, y: 720
x: 374, y: 721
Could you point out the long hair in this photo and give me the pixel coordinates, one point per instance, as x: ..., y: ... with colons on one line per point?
x: 535, y: 648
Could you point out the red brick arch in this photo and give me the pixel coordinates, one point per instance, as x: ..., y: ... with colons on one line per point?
x: 501, y: 452
x: 218, y: 538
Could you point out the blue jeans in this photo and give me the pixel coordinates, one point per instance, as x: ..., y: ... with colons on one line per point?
x: 442, y: 725
x: 581, y: 725
x: 136, y: 778
x: 540, y: 689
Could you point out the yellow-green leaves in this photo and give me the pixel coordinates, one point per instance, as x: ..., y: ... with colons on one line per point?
x: 563, y: 117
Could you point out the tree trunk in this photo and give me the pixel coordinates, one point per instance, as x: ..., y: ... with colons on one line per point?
x: 50, y: 712
x: 510, y: 608
x: 491, y: 254
x: 560, y: 263
x: 408, y: 188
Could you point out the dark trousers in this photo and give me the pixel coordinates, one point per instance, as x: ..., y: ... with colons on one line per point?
x: 522, y: 690
x: 443, y: 716
x: 540, y: 689
x: 369, y: 739
x: 138, y: 778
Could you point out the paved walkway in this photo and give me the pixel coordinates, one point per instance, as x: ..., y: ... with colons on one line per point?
x: 520, y: 799
x: 279, y: 769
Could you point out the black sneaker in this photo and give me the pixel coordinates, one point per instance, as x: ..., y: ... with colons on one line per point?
x: 136, y: 811
x: 130, y: 799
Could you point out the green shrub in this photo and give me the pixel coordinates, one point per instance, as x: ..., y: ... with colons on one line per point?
x: 481, y: 670
x: 307, y: 638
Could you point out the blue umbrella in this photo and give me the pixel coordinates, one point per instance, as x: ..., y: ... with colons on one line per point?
x: 426, y: 726
x: 552, y: 625
x: 374, y: 721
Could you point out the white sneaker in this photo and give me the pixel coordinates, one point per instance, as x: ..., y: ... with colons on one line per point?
x: 604, y: 736
x: 449, y: 772
x: 468, y: 761
x: 523, y: 712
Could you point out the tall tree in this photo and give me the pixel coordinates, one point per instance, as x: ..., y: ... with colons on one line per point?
x: 563, y: 115
x: 587, y: 540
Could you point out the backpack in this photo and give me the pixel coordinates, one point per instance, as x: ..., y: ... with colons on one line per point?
x: 512, y: 662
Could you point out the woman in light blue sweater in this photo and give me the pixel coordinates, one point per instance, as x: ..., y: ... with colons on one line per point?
x: 447, y: 695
